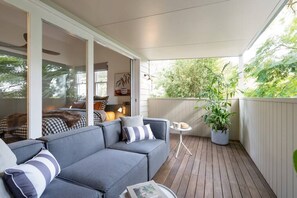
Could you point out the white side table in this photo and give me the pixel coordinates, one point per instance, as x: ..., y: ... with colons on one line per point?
x: 181, y: 139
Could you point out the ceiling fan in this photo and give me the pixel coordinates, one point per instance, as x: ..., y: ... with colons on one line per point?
x: 24, y: 47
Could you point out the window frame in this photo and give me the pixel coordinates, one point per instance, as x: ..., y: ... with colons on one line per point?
x: 102, y: 82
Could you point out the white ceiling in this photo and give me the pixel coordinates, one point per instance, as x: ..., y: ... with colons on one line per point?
x: 171, y: 29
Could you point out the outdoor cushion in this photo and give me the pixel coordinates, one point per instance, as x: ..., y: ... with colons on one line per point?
x: 154, y: 149
x: 109, y: 171
x: 26, y: 149
x: 7, y: 159
x: 72, y: 146
x: 31, y: 178
x: 134, y: 134
x: 59, y: 188
x: 132, y: 121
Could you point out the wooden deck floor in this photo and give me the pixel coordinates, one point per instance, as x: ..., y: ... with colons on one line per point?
x: 212, y: 171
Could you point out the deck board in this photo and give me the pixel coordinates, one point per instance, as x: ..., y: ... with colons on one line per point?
x: 212, y: 171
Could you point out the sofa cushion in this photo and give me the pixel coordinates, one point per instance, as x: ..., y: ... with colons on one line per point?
x: 72, y: 146
x: 156, y: 151
x: 59, y: 188
x: 132, y: 121
x: 138, y: 133
x: 26, y: 149
x: 109, y: 171
x: 31, y: 178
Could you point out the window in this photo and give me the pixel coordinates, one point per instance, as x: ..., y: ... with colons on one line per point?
x: 101, y: 83
x: 81, y: 84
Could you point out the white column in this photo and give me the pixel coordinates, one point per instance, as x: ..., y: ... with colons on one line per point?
x: 90, y: 81
x: 34, y: 83
x: 135, y: 88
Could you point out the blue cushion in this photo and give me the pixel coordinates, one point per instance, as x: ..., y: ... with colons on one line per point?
x: 138, y: 133
x: 72, y: 146
x: 31, y: 178
x: 156, y: 151
x: 59, y: 188
x: 109, y: 171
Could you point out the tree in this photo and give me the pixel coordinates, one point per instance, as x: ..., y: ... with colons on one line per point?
x: 13, y: 76
x: 58, y: 81
x: 274, y: 67
x: 190, y: 78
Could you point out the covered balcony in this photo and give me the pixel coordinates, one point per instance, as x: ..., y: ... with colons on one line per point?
x: 124, y: 37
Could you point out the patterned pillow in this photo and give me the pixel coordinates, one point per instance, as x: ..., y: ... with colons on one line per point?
x: 133, y: 121
x: 99, y: 106
x: 138, y: 133
x: 31, y: 178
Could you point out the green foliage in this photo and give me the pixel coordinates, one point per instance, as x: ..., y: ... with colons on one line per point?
x: 13, y: 77
x: 295, y: 160
x: 217, y: 96
x: 190, y: 78
x: 274, y: 68
x: 57, y: 80
x: 54, y: 80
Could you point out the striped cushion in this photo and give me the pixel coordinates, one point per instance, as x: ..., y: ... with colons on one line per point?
x: 138, y: 133
x: 31, y: 178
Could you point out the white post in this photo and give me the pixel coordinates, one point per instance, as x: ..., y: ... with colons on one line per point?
x: 135, y: 89
x: 90, y: 81
x: 34, y: 82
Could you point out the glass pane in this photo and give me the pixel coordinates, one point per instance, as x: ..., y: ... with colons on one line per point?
x: 63, y: 80
x: 101, y: 89
x: 101, y: 76
x: 13, y: 74
x: 81, y: 78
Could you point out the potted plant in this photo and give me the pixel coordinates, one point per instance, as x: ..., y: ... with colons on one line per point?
x: 122, y: 82
x: 218, y: 115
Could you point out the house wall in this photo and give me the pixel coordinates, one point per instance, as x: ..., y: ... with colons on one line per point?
x: 268, y: 132
x: 117, y: 63
x: 145, y: 88
x: 183, y: 110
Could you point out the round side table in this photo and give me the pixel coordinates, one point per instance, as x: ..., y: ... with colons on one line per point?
x: 168, y: 192
x: 181, y: 139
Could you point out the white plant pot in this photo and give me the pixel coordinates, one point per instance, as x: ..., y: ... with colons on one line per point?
x: 219, y: 137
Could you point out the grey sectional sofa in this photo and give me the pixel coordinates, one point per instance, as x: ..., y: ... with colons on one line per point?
x: 95, y: 163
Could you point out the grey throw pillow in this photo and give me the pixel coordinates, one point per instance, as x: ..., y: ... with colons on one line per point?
x: 133, y: 121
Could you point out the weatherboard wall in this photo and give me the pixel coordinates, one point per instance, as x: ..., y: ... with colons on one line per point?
x: 268, y: 132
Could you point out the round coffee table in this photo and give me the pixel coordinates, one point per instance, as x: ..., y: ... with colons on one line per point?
x: 169, y: 193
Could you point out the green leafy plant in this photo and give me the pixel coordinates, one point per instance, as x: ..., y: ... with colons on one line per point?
x: 217, y: 95
x: 295, y: 160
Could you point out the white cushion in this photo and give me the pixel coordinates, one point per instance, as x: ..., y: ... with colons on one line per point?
x: 7, y: 159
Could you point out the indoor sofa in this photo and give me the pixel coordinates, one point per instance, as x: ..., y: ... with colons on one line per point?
x: 95, y: 163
